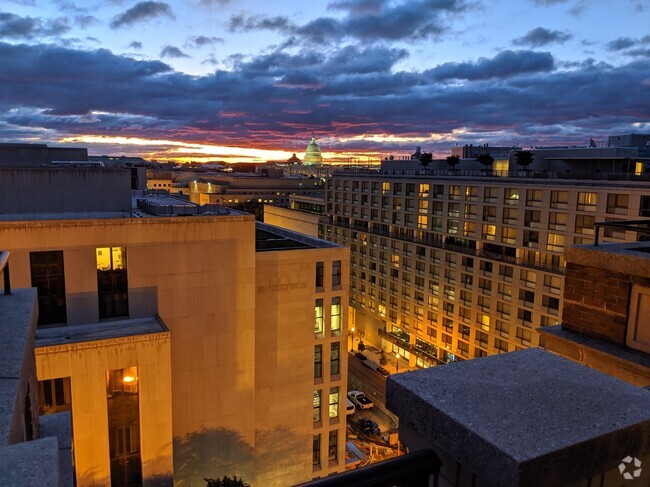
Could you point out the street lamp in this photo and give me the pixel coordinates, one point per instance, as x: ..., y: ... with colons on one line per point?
x: 352, y: 345
x: 397, y: 363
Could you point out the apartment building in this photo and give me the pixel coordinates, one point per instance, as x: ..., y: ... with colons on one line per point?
x: 182, y: 348
x: 447, y: 267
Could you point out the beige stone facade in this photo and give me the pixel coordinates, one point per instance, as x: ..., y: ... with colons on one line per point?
x: 231, y: 382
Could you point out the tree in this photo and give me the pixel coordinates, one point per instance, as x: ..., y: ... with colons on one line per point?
x: 226, y: 482
x: 383, y: 360
x: 486, y: 160
x: 453, y: 161
x: 426, y: 158
x: 524, y: 158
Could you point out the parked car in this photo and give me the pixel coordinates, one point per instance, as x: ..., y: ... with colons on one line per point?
x: 369, y: 427
x: 360, y: 400
x: 350, y: 408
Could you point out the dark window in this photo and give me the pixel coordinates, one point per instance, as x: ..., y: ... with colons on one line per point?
x: 333, y: 445
x: 644, y: 209
x: 319, y: 274
x: 316, y: 450
x: 336, y: 273
x: 335, y: 358
x: 318, y: 361
x: 112, y: 284
x: 48, y: 278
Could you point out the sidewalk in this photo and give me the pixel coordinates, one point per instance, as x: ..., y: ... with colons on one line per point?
x: 373, y: 352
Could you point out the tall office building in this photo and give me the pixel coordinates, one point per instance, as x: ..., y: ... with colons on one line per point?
x: 184, y: 343
x: 450, y: 265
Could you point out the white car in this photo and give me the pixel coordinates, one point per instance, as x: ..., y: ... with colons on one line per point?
x: 349, y: 408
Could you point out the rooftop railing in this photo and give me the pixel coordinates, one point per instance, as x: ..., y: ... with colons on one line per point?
x: 642, y: 227
x: 4, y: 268
x: 418, y: 469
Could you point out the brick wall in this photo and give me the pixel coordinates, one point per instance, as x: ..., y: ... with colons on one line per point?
x: 596, y: 302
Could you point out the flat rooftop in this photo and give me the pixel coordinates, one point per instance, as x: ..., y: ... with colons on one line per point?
x: 62, y: 335
x: 269, y: 237
x: 524, y: 418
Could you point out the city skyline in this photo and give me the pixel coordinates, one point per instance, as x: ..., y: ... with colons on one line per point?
x: 249, y: 81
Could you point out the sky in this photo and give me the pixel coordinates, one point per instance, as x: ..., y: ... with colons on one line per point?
x: 251, y: 80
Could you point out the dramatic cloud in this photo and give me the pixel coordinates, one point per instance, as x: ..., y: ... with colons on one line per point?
x: 351, y: 97
x: 540, y: 36
x: 141, y: 11
x: 625, y: 44
x: 172, y: 52
x: 366, y: 20
x: 503, y: 65
x: 16, y: 27
x: 136, y: 45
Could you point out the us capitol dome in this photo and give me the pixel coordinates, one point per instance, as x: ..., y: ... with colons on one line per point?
x: 313, y: 156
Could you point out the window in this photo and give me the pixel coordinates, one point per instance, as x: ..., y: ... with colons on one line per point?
x: 123, y: 414
x: 49, y: 280
x: 500, y: 345
x: 489, y: 232
x: 336, y: 315
x: 454, y: 192
x: 555, y: 242
x: 318, y: 361
x: 508, y: 235
x: 585, y: 224
x: 526, y: 316
x: 587, y: 201
x: 54, y: 395
x: 385, y: 188
x: 316, y: 406
x: 644, y: 206
x: 505, y: 292
x: 469, y: 229
x: 532, y: 218
x: 112, y: 285
x: 510, y: 215
x: 528, y: 278
x: 320, y: 266
x: 617, y: 203
x: 318, y: 307
x: 438, y: 191
x: 552, y: 284
x: 471, y: 193
x: 533, y: 197
x: 551, y: 304
x: 511, y: 196
x: 423, y: 191
x: 453, y: 210
x: 334, y: 402
x: 524, y: 336
x: 470, y: 212
x: 531, y: 239
x: 333, y: 445
x: 559, y: 199
x: 336, y: 273
x: 557, y: 221
x: 502, y: 327
x: 490, y: 213
x: 316, y: 450
x: 490, y: 195
x: 528, y: 297
x: 335, y: 355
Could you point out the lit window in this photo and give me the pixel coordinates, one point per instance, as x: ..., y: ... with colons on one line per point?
x: 334, y: 402
x: 336, y: 314
x: 316, y: 406
x: 319, y: 316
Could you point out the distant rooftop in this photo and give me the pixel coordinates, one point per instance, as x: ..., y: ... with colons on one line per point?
x: 526, y: 418
x: 268, y: 237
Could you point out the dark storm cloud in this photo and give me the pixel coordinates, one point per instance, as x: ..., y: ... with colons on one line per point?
x: 641, y: 47
x: 172, y: 52
x: 141, y: 11
x: 503, y: 65
x: 16, y: 27
x: 540, y: 36
x: 273, y: 99
x: 366, y: 20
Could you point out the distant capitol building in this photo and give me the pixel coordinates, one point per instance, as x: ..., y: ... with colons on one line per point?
x: 313, y: 156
